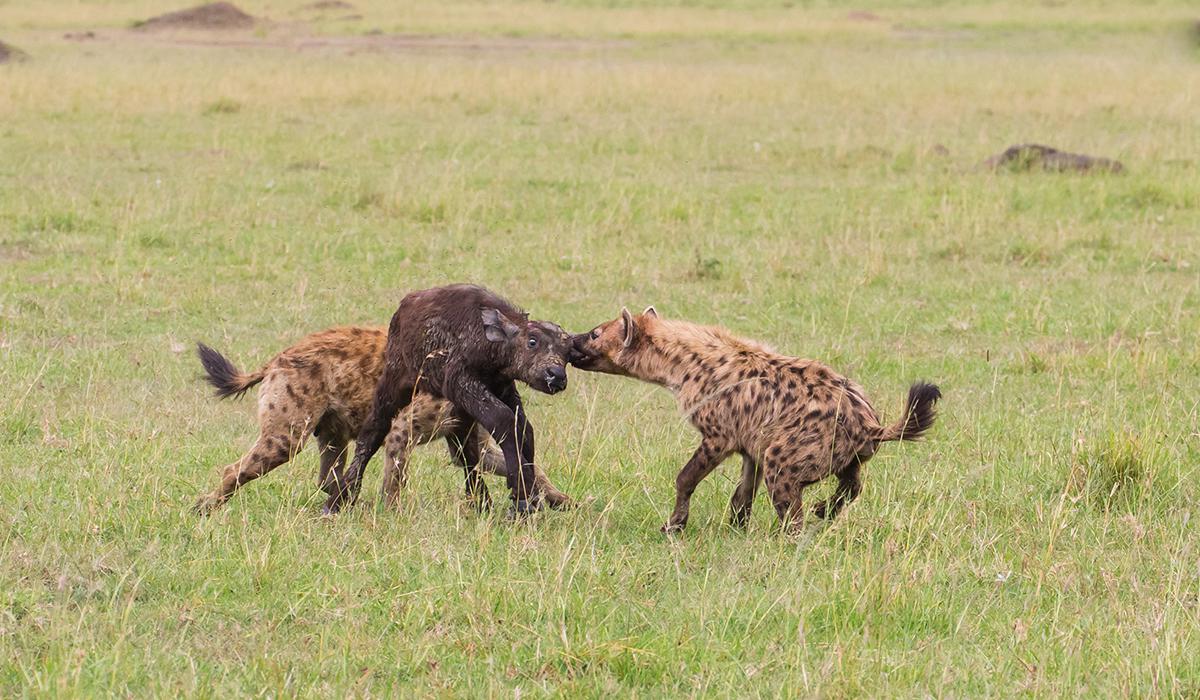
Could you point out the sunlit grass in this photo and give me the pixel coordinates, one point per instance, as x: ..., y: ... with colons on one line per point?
x: 801, y: 176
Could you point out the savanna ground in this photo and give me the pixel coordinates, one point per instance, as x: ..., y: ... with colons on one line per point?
x: 802, y: 175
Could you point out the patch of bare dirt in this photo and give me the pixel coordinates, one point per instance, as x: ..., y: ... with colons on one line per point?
x: 1028, y: 156
x: 328, y: 5
x: 11, y: 53
x: 863, y: 16
x: 79, y: 36
x: 389, y: 43
x: 214, y: 15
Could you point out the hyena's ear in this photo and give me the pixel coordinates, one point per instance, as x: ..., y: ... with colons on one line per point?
x: 650, y: 312
x: 628, y: 327
x: 497, y: 328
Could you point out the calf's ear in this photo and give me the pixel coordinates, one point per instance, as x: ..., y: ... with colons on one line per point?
x: 496, y: 327
x: 651, y: 312
x: 628, y: 327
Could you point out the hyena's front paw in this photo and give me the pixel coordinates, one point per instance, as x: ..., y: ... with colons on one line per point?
x: 207, y: 504
x: 558, y: 500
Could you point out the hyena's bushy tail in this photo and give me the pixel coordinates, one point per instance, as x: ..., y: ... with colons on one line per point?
x: 225, y: 378
x: 919, y: 414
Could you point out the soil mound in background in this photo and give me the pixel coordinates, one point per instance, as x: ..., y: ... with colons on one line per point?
x: 329, y: 5
x: 1029, y: 156
x: 11, y: 53
x: 214, y: 15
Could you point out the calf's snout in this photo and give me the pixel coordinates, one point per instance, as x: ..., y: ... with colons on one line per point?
x: 556, y: 378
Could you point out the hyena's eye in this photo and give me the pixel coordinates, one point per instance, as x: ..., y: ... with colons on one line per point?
x: 532, y: 343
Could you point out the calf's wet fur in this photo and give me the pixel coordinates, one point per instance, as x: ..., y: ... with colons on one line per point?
x: 793, y: 421
x: 470, y: 346
x: 323, y: 386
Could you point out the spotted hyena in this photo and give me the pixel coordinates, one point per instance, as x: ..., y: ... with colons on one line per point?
x: 323, y: 386
x: 793, y: 421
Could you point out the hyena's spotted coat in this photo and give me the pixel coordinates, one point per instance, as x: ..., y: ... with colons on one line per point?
x: 794, y: 421
x: 323, y: 386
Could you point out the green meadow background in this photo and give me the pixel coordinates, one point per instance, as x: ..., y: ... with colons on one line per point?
x: 803, y: 173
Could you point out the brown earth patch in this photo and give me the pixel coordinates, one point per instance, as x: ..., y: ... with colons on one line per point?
x: 214, y: 15
x: 328, y: 5
x: 15, y: 252
x: 387, y: 43
x: 863, y: 16
x: 11, y: 53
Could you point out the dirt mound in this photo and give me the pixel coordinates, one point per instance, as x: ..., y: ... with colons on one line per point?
x: 1031, y: 155
x: 328, y: 5
x: 11, y: 53
x: 214, y: 15
x: 863, y: 16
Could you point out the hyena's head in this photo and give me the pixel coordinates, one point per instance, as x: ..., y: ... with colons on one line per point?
x: 613, y: 347
x: 535, y: 352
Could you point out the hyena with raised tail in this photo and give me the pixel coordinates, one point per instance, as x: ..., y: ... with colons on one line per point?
x: 323, y: 386
x: 793, y: 421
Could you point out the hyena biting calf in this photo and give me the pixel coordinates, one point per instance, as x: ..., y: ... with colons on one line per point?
x: 793, y: 421
x: 323, y: 386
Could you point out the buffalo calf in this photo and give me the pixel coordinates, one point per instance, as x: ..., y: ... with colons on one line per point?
x: 468, y: 345
x: 323, y: 386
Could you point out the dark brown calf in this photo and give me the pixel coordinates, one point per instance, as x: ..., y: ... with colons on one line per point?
x: 468, y: 345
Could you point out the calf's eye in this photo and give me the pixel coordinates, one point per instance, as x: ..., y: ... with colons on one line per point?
x: 532, y: 343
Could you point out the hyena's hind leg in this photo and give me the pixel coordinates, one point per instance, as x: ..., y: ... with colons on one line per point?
x: 273, y: 448
x: 422, y: 421
x: 848, y: 488
x: 288, y: 410
x: 743, y: 496
x: 789, y: 468
x: 333, y: 462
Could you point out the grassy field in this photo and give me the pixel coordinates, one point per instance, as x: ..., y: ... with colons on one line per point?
x: 800, y: 174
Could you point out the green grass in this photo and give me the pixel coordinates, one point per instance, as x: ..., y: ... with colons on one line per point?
x: 769, y: 167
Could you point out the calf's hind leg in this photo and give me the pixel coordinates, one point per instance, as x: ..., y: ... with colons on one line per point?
x: 464, y: 450
x: 392, y: 395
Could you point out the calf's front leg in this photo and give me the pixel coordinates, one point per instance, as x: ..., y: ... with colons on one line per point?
x: 523, y: 481
x: 494, y: 415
